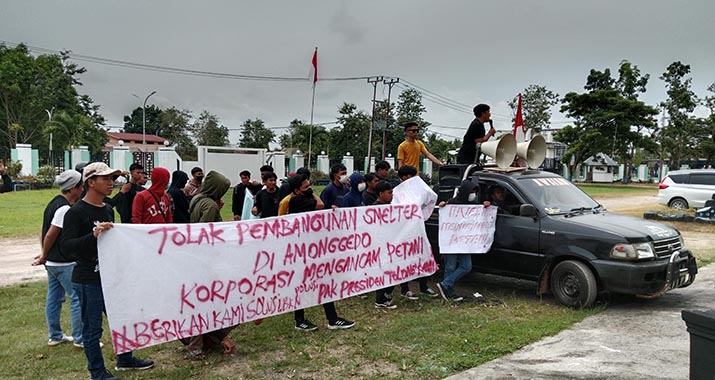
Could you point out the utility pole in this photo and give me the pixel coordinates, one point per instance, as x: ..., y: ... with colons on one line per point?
x: 373, y: 81
x: 389, y: 82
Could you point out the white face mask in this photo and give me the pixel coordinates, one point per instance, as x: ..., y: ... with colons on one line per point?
x: 362, y: 187
x: 343, y: 178
x: 472, y: 197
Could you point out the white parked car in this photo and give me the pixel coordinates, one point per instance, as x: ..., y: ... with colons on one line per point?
x: 684, y: 189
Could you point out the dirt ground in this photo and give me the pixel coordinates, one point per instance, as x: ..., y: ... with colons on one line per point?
x: 17, y: 254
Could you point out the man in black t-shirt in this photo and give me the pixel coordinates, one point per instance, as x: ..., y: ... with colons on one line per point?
x: 239, y: 193
x: 304, y: 200
x: 266, y: 204
x: 125, y: 197
x: 475, y: 135
x: 82, y: 225
x: 370, y: 194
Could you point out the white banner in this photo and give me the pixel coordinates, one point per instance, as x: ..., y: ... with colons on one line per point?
x: 466, y: 228
x: 163, y: 282
x: 247, y: 206
x: 415, y: 190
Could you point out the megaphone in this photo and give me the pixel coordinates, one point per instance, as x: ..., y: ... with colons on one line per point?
x: 502, y: 151
x: 533, y: 151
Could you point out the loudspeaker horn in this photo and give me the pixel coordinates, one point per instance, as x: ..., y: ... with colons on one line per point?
x: 533, y: 151
x: 502, y: 151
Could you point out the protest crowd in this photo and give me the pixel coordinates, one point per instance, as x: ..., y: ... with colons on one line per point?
x: 75, y: 218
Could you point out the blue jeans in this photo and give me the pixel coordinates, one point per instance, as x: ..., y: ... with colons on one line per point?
x: 59, y: 282
x: 92, y: 300
x: 455, y: 267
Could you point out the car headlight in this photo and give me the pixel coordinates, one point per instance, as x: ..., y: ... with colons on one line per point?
x: 632, y: 251
x: 682, y: 242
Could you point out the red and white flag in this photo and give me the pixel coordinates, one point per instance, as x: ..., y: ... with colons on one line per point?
x: 314, y: 67
x: 519, y: 130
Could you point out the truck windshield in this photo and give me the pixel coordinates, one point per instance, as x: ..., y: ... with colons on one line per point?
x: 557, y: 195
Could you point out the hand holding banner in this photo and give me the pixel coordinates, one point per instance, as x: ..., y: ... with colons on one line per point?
x: 162, y: 282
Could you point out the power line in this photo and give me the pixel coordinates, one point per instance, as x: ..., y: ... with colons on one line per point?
x: 424, y: 90
x: 445, y: 101
x: 175, y: 70
x: 426, y: 93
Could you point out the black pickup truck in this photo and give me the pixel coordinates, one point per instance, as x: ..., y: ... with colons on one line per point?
x: 551, y: 232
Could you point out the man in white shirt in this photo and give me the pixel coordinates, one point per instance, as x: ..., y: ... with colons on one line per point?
x: 58, y: 264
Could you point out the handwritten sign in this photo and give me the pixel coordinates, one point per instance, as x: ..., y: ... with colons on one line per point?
x: 466, y: 228
x: 163, y: 282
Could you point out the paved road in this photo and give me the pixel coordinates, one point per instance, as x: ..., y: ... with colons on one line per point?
x: 632, y: 339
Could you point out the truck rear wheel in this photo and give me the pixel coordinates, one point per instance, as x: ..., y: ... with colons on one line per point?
x: 573, y: 284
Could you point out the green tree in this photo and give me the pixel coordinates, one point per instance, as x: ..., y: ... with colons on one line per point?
x: 707, y: 144
x: 536, y: 106
x: 409, y: 108
x: 352, y: 135
x: 134, y: 123
x: 175, y: 127
x: 30, y: 85
x: 682, y: 134
x: 605, y: 118
x: 298, y: 137
x: 254, y: 134
x: 440, y: 147
x: 207, y: 130
x: 70, y: 131
x: 630, y: 81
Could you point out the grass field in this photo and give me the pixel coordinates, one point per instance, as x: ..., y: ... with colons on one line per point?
x: 21, y: 212
x: 424, y: 340
x: 616, y: 190
x: 419, y: 340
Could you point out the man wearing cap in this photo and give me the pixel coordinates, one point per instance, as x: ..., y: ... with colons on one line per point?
x: 83, y: 224
x: 408, y: 152
x: 58, y: 264
x: 193, y: 187
x: 125, y: 198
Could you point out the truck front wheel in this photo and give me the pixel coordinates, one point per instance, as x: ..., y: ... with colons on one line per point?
x: 573, y: 284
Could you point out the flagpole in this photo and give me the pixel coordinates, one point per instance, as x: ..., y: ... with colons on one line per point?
x: 310, y: 128
x: 314, y: 62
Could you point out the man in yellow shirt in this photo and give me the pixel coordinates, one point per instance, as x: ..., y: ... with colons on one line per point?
x: 408, y: 153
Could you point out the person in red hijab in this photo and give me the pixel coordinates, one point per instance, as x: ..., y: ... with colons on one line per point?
x: 153, y: 205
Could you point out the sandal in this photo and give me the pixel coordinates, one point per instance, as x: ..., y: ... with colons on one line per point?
x: 195, y: 355
x: 228, y: 346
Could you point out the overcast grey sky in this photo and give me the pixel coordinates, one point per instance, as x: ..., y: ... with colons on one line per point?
x: 469, y: 51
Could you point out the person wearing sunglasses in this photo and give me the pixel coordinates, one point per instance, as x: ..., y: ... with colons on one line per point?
x: 409, y: 151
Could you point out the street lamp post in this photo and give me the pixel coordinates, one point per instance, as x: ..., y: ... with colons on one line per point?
x: 49, y: 115
x: 144, y: 126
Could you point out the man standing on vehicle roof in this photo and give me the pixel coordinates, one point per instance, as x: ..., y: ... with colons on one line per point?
x: 476, y: 134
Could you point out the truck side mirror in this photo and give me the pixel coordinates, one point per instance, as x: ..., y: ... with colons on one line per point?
x: 527, y: 209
